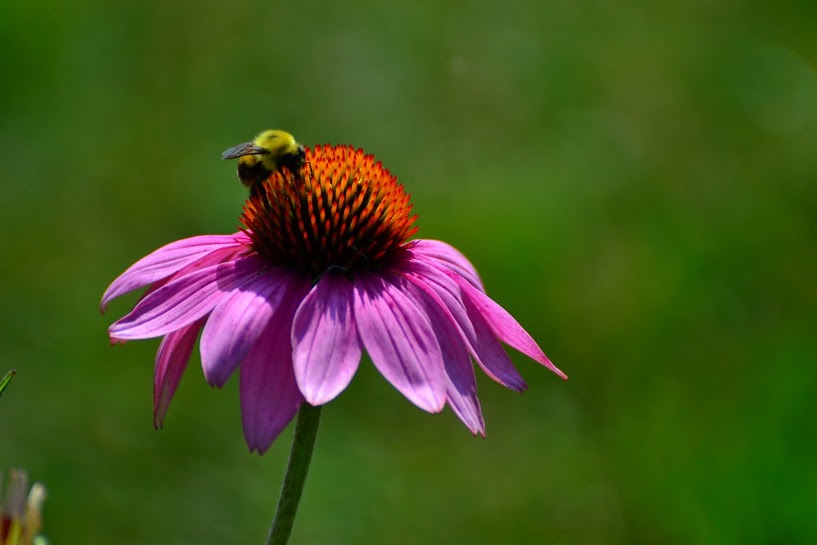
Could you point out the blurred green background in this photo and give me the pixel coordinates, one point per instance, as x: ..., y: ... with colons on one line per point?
x: 634, y: 180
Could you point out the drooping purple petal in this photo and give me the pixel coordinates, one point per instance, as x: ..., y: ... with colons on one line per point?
x: 482, y: 343
x: 491, y: 355
x: 269, y: 393
x: 448, y: 256
x: 184, y: 300
x: 326, y: 348
x: 238, y: 320
x: 429, y: 276
x: 460, y: 382
x: 504, y: 325
x: 399, y: 340
x: 171, y: 361
x: 221, y: 255
x: 166, y: 261
x: 213, y: 258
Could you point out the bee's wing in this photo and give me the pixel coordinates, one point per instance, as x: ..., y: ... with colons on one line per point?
x: 247, y: 148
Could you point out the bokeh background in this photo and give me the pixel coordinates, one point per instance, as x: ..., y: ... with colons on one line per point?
x: 634, y: 180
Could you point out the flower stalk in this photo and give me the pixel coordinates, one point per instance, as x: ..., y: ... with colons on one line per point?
x: 303, y: 443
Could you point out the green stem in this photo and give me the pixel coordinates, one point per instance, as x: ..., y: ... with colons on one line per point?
x: 303, y: 443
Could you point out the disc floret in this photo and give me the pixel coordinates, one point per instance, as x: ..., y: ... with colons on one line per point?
x: 346, y: 212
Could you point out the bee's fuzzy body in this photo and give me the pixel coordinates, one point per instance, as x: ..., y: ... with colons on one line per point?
x: 271, y: 151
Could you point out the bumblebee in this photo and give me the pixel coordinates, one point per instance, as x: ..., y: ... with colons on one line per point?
x: 271, y: 151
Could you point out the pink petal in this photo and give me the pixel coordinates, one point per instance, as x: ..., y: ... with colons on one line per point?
x: 481, y: 341
x: 504, y: 325
x: 270, y: 397
x: 237, y: 321
x: 429, y: 276
x: 491, y: 356
x: 460, y: 382
x: 324, y: 336
x: 399, y: 340
x: 215, y: 257
x: 171, y: 361
x: 184, y: 300
x: 449, y: 257
x: 166, y: 261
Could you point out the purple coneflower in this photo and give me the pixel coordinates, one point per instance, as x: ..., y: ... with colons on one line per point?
x: 322, y: 269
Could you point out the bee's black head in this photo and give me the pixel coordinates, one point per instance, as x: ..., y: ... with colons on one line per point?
x: 294, y: 160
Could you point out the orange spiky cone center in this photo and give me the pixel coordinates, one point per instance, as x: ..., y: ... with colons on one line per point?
x: 343, y: 209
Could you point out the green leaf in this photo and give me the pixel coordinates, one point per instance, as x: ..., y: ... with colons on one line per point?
x: 6, y: 380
